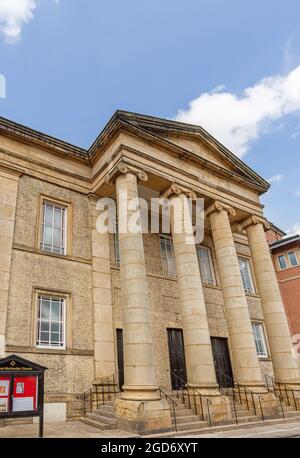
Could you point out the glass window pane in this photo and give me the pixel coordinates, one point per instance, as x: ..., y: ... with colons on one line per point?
x: 54, y: 337
x: 282, y: 262
x: 48, y: 214
x: 205, y: 264
x: 259, y: 339
x: 54, y: 327
x: 47, y: 235
x: 45, y: 336
x: 57, y: 237
x: 167, y: 256
x: 55, y: 310
x: 246, y: 274
x: 293, y: 259
x: 58, y: 217
x: 45, y: 309
x: 45, y: 325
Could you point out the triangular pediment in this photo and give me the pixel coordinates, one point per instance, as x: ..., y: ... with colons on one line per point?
x: 191, y: 141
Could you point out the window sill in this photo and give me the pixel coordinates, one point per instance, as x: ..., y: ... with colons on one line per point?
x: 67, y: 257
x: 254, y: 295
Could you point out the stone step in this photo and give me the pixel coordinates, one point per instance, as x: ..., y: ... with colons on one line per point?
x: 292, y: 413
x: 191, y: 425
x: 186, y: 419
x: 248, y: 419
x: 110, y: 403
x: 97, y: 424
x: 101, y: 418
x: 182, y: 412
x: 105, y: 413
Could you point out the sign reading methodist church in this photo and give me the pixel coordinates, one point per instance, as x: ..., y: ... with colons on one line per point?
x: 21, y: 389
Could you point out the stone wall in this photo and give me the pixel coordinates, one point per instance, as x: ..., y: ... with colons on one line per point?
x: 70, y: 371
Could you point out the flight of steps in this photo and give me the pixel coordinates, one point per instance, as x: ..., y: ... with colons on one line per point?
x: 243, y: 414
x: 103, y: 417
x: 288, y: 411
x: 185, y: 417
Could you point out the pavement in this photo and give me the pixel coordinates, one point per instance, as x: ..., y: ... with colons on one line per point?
x: 78, y: 429
x: 278, y: 430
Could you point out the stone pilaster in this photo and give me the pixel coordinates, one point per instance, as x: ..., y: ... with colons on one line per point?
x: 104, y: 348
x: 286, y: 367
x: 140, y: 407
x: 244, y: 356
x: 8, y: 199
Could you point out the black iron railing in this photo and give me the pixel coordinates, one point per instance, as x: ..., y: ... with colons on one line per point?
x: 191, y: 395
x: 226, y: 386
x: 242, y: 392
x: 102, y: 391
x: 174, y: 404
x: 283, y: 392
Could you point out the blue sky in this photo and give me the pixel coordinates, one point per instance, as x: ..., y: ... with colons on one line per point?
x: 69, y: 64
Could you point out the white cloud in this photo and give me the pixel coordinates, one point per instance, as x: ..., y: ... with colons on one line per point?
x: 297, y: 193
x: 275, y: 179
x: 237, y: 121
x: 13, y: 15
x: 294, y: 230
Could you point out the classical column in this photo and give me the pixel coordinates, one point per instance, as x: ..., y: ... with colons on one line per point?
x: 243, y: 350
x: 104, y: 347
x: 140, y: 408
x: 8, y: 199
x: 197, y: 344
x: 286, y: 367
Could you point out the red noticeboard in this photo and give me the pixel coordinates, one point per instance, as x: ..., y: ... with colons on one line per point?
x: 21, y: 389
x: 4, y: 394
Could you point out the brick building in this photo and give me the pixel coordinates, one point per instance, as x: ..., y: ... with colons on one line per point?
x: 146, y: 312
x: 286, y: 259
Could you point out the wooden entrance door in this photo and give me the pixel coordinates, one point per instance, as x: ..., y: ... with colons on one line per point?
x: 120, y: 352
x: 177, y: 359
x: 222, y: 362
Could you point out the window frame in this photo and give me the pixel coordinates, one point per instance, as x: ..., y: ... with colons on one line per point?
x: 285, y: 261
x: 51, y: 296
x: 263, y: 339
x: 167, y: 239
x: 68, y: 239
x: 296, y: 257
x: 250, y: 272
x: 211, y: 265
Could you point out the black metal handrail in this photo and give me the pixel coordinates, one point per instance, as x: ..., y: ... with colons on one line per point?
x: 185, y: 389
x: 100, y: 392
x: 226, y: 390
x: 273, y: 389
x: 242, y: 388
x: 174, y: 404
x: 282, y: 387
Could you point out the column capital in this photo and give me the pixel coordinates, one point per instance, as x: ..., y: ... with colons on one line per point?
x: 121, y: 168
x: 218, y: 206
x: 176, y: 189
x: 252, y: 220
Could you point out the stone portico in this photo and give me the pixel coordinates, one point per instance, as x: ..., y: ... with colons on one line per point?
x: 112, y: 285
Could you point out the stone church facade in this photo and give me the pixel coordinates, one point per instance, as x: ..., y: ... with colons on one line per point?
x: 147, y: 307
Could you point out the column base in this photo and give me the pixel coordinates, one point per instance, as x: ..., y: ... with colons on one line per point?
x: 218, y: 407
x: 267, y: 405
x: 143, y: 417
